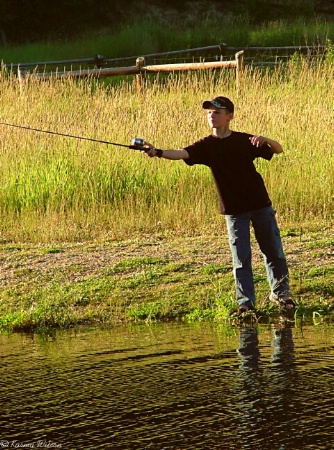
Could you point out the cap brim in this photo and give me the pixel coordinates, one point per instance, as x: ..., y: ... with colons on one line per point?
x: 208, y: 104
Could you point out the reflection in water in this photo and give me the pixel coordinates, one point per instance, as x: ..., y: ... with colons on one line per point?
x: 249, y: 348
x: 169, y: 387
x: 267, y: 392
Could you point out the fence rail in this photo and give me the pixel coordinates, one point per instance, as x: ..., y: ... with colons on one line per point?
x: 141, y: 68
x: 221, y: 50
x: 100, y: 60
x: 220, y: 54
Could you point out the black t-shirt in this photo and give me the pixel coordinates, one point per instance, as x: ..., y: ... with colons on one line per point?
x: 240, y: 187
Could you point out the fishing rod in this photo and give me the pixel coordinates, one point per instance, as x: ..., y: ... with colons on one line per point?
x: 136, y: 143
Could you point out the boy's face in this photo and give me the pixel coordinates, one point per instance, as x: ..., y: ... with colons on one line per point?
x: 219, y: 118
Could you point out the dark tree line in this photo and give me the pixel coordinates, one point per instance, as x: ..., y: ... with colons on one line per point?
x: 29, y: 20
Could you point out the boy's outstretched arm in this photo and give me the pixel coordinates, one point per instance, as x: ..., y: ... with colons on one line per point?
x: 175, y: 155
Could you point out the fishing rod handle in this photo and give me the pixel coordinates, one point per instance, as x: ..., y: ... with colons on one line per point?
x: 145, y: 149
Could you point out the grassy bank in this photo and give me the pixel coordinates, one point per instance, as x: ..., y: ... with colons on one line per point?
x: 154, y: 276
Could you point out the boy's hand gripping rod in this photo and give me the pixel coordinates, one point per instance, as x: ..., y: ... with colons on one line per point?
x: 136, y: 143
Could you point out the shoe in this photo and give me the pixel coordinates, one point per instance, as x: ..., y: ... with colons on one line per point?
x: 286, y: 305
x: 243, y: 309
x: 244, y: 314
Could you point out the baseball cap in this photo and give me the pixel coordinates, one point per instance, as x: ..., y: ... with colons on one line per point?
x: 220, y: 103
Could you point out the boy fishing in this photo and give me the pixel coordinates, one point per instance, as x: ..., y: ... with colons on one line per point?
x: 243, y: 200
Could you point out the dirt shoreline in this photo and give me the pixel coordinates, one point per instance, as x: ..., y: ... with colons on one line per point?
x: 25, y: 264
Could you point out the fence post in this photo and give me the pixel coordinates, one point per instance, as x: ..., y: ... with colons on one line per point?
x: 141, y: 77
x: 239, y: 57
x: 21, y: 74
x: 223, y: 48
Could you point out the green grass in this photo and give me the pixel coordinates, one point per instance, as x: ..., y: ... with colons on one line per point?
x: 153, y: 35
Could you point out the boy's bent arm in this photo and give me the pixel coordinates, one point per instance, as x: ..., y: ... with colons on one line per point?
x: 261, y: 140
x: 275, y: 146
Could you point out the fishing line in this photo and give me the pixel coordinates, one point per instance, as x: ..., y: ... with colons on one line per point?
x: 136, y: 144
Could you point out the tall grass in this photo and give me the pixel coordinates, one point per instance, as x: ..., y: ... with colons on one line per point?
x: 58, y: 188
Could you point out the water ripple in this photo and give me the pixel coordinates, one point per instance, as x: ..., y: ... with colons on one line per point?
x: 170, y: 387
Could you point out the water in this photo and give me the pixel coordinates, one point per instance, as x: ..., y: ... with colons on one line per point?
x: 169, y: 386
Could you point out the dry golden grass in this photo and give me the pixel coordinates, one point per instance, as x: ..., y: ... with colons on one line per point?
x: 57, y: 188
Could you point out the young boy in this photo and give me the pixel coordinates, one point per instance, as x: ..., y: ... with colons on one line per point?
x: 243, y: 199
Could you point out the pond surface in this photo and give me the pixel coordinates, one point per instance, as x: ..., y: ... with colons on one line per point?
x: 169, y: 386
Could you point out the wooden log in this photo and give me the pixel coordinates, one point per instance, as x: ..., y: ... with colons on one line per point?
x: 191, y: 66
x: 87, y: 73
x: 135, y: 70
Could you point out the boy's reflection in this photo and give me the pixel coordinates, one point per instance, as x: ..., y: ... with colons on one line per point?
x: 282, y: 343
x: 266, y: 393
x: 248, y: 348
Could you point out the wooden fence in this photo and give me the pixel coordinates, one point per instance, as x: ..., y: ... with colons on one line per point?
x: 141, y: 69
x: 221, y: 54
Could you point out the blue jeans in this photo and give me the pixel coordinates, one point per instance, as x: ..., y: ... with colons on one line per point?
x: 268, y: 237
